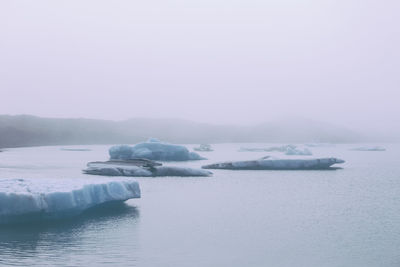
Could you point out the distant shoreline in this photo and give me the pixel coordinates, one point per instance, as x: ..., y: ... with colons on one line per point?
x: 30, y: 131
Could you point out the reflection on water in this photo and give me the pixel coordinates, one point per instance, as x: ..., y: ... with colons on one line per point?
x: 32, y: 241
x: 348, y: 218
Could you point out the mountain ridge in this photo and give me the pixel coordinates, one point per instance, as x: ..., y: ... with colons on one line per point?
x: 29, y: 130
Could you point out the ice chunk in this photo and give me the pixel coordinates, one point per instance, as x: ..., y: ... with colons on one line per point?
x: 369, y: 148
x: 117, y: 170
x: 252, y: 149
x: 277, y: 164
x: 140, y: 168
x: 143, y: 171
x: 298, y: 151
x: 203, y: 148
x: 76, y: 149
x: 179, y: 171
x: 153, y: 150
x: 129, y: 162
x: 24, y: 200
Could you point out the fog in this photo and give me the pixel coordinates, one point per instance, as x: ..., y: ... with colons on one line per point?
x: 220, y: 62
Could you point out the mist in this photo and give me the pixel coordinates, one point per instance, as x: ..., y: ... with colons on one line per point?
x: 240, y: 63
x: 193, y: 133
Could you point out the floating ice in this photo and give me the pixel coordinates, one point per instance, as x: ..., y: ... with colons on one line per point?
x: 148, y: 170
x: 298, y: 151
x: 203, y: 148
x: 369, y: 148
x: 155, y: 150
x: 180, y: 171
x: 24, y: 200
x: 277, y: 164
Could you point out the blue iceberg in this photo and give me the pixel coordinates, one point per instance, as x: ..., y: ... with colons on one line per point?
x: 153, y: 149
x: 25, y: 200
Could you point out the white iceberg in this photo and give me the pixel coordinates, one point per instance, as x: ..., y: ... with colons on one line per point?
x: 268, y: 163
x: 145, y: 169
x: 153, y: 149
x: 369, y: 148
x: 297, y: 151
x: 23, y: 200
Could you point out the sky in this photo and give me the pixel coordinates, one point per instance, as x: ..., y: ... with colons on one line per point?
x: 237, y: 62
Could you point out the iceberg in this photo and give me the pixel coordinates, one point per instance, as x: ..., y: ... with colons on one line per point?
x: 369, y: 148
x: 203, y: 148
x: 268, y: 163
x: 153, y: 149
x: 25, y: 200
x: 297, y: 151
x: 146, y: 163
x: 140, y: 168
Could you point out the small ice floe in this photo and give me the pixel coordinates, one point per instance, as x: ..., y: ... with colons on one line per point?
x: 26, y: 200
x: 203, y: 148
x: 75, y: 149
x: 298, y: 151
x: 153, y: 149
x: 140, y: 168
x: 268, y: 163
x: 369, y: 148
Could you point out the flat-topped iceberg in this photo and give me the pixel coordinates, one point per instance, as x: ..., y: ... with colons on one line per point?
x: 369, y: 148
x: 140, y: 168
x: 23, y: 200
x: 277, y: 164
x: 153, y: 149
x: 76, y: 149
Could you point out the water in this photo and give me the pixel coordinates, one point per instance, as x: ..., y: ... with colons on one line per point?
x: 347, y: 217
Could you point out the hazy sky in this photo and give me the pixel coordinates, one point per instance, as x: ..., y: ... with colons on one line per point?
x: 215, y: 61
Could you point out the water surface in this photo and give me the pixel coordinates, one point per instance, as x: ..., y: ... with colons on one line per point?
x: 347, y: 217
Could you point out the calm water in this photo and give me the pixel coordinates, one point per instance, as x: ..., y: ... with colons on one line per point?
x: 347, y: 217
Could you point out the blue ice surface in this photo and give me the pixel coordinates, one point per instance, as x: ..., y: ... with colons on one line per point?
x: 27, y: 200
x: 153, y: 149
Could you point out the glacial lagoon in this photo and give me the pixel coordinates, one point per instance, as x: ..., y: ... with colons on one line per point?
x: 345, y: 217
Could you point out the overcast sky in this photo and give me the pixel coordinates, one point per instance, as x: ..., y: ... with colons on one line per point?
x: 214, y: 61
